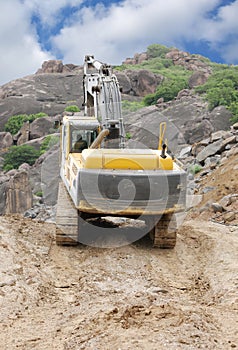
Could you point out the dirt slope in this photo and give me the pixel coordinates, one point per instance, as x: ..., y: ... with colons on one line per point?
x: 133, y: 297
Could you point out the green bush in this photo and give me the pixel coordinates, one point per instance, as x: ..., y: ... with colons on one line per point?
x: 222, y: 89
x: 15, y: 122
x: 49, y: 141
x: 18, y: 155
x: 72, y: 108
x: 168, y: 90
x: 39, y: 194
x: 234, y: 110
x: 156, y: 50
x: 194, y: 169
x: 131, y: 106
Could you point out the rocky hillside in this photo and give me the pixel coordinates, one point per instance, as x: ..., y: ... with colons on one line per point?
x: 55, y: 85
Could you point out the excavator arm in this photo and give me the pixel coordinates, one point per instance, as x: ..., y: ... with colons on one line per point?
x: 102, y: 98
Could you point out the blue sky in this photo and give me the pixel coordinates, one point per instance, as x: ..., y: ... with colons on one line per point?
x: 32, y: 31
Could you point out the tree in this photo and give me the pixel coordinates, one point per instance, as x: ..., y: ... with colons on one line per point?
x: 18, y: 155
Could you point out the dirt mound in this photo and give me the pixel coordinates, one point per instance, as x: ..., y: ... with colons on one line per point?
x: 221, y: 182
x: 133, y: 297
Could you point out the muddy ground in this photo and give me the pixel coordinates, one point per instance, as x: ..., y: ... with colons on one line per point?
x: 132, y: 297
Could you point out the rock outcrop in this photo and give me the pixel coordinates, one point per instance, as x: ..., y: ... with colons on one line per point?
x: 6, y: 140
x: 195, y: 63
x: 39, y: 128
x: 139, y: 82
x: 56, y: 85
x: 15, y: 192
x: 48, y: 93
x: 189, y: 114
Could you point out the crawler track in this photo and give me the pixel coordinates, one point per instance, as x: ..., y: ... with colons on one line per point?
x: 66, y: 219
x: 164, y: 232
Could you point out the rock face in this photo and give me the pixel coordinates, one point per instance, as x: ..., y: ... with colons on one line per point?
x: 5, y: 139
x: 191, y: 62
x: 51, y: 66
x: 48, y: 93
x: 50, y: 176
x: 37, y: 129
x: 15, y: 192
x: 139, y: 82
x: 194, y: 63
x: 137, y: 59
x: 188, y: 114
x: 198, y: 78
x: 45, y: 175
x: 55, y: 85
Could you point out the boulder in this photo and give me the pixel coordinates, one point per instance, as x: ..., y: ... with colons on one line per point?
x: 45, y: 175
x: 124, y: 82
x: 221, y: 134
x: 51, y: 66
x: 230, y: 216
x: 15, y: 192
x: 137, y: 59
x: 41, y: 127
x: 50, y: 177
x: 46, y: 92
x: 5, y: 140
x: 185, y: 152
x: 183, y: 93
x: 143, y: 82
x: 226, y: 201
x: 217, y: 208
x: 191, y: 62
x: 235, y: 126
x: 220, y: 118
x: 197, y: 78
x: 210, y: 150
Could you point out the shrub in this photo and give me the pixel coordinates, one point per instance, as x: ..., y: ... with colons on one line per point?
x: 15, y: 122
x: 222, y: 89
x: 18, y: 155
x: 156, y: 50
x: 39, y: 194
x: 49, y: 141
x: 234, y: 110
x: 168, y: 90
x: 72, y: 108
x: 194, y: 169
x: 131, y: 106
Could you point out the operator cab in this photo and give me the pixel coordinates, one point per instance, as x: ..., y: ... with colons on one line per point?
x: 81, y: 139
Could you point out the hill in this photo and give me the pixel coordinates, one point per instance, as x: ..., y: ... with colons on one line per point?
x: 134, y: 296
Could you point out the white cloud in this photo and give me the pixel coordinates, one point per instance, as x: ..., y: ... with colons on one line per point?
x: 221, y: 32
x: 20, y: 52
x: 47, y: 10
x: 130, y: 27
x: 110, y: 33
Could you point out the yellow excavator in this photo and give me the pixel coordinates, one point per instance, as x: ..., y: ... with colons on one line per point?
x: 101, y: 177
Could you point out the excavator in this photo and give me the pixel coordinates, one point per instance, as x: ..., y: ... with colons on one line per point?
x: 101, y: 177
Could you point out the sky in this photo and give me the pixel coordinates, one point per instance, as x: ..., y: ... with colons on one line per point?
x: 32, y: 31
